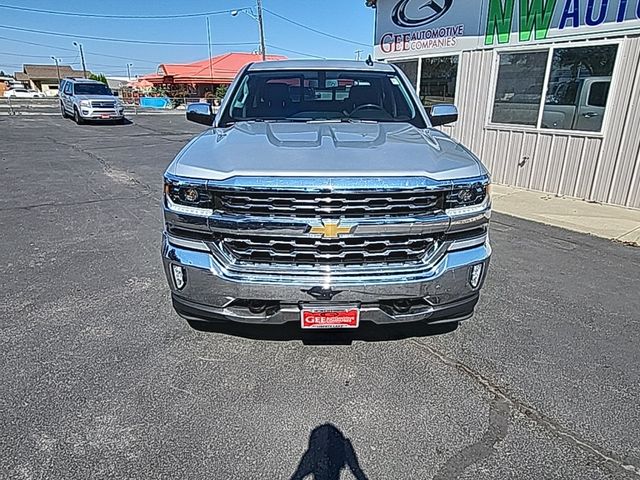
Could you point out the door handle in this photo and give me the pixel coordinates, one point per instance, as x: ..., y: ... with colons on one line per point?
x: 590, y: 115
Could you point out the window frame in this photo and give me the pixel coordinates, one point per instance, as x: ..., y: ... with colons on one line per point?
x: 550, y: 48
x: 393, y: 62
x: 459, y: 65
x: 433, y: 55
x: 419, y: 82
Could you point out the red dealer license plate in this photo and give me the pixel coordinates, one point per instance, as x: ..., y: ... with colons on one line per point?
x: 330, y: 317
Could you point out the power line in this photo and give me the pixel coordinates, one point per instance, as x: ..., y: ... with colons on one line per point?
x: 132, y: 41
x: 120, y: 40
x: 122, y: 17
x: 23, y: 55
x: 296, y: 52
x: 74, y: 51
x: 37, y: 44
x: 320, y: 32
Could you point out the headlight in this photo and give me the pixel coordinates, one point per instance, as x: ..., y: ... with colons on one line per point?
x: 119, y: 103
x: 85, y: 103
x: 468, y: 199
x: 188, y: 198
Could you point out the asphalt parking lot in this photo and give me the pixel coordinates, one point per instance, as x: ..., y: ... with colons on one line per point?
x: 100, y: 379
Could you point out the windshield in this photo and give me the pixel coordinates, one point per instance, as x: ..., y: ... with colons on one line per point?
x: 91, y: 89
x: 311, y: 95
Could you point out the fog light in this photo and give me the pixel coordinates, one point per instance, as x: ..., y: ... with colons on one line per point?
x: 467, y: 195
x: 475, y: 275
x: 191, y: 195
x: 178, y: 276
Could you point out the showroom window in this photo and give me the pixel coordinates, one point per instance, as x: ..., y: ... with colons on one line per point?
x: 438, y: 79
x: 519, y: 88
x: 410, y: 69
x: 576, y: 92
x: 579, y: 87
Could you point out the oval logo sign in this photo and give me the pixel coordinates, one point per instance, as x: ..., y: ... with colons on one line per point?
x: 415, y: 13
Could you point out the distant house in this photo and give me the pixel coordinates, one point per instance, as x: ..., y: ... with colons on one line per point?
x: 117, y: 83
x: 44, y: 78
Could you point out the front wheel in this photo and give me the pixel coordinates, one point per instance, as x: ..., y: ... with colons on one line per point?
x: 76, y: 117
x: 63, y: 111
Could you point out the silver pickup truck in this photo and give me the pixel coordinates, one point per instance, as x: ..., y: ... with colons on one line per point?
x: 323, y: 195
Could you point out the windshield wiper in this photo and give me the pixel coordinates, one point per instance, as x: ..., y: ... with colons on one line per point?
x: 270, y: 120
x: 342, y: 120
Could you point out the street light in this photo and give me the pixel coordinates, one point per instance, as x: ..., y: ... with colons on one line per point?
x: 258, y: 18
x: 84, y: 68
x: 57, y: 68
x: 129, y: 65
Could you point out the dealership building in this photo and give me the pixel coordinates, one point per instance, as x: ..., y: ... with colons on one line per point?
x: 548, y: 90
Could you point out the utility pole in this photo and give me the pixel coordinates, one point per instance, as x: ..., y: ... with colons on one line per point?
x: 358, y: 52
x: 210, y: 52
x: 263, y: 48
x: 57, y: 68
x: 129, y: 65
x: 84, y: 68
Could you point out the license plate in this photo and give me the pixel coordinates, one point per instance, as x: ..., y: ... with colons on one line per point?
x: 313, y: 317
x: 105, y: 116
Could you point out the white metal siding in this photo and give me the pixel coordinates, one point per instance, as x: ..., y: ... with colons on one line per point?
x: 603, y: 167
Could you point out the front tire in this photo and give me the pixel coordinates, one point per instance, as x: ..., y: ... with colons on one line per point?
x: 63, y: 111
x: 76, y: 116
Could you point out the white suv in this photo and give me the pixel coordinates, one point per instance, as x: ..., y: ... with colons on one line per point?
x: 85, y: 99
x: 23, y: 93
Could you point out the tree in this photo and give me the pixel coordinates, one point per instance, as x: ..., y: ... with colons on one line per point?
x: 221, y: 91
x: 99, y: 77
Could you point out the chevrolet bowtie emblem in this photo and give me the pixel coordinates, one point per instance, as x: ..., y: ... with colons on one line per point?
x: 331, y: 229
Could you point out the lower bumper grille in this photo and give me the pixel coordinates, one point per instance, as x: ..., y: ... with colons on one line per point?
x: 342, y: 251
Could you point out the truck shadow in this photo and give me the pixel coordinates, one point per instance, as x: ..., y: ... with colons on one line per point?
x: 328, y: 453
x: 367, y: 332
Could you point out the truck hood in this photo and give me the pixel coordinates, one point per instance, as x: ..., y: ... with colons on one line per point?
x: 324, y: 150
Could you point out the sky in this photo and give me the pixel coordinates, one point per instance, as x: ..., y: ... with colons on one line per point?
x: 349, y: 19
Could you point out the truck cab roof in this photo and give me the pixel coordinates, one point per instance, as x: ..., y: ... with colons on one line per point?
x: 320, y: 65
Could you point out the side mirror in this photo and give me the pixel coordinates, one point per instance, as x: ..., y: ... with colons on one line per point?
x: 443, y: 114
x: 200, y: 113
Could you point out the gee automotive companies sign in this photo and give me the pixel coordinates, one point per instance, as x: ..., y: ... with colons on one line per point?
x: 409, y: 28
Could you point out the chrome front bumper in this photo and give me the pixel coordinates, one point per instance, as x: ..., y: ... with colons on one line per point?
x: 213, y: 288
x: 89, y: 113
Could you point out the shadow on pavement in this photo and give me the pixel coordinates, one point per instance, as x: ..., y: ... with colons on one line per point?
x: 367, y: 332
x: 328, y: 453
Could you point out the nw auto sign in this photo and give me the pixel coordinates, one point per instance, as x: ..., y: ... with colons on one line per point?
x: 406, y: 28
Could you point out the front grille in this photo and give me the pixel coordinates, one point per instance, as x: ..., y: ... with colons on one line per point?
x: 331, y: 205
x: 321, y: 251
x: 102, y: 104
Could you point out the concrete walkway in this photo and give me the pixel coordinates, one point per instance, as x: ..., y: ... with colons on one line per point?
x: 616, y: 223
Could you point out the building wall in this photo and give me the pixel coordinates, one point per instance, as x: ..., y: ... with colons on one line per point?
x: 49, y: 89
x: 602, y: 167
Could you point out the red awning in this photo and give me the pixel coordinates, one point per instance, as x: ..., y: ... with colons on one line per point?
x: 219, y: 70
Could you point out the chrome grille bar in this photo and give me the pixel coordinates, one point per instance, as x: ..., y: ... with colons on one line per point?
x: 294, y: 204
x: 313, y: 251
x: 102, y: 104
